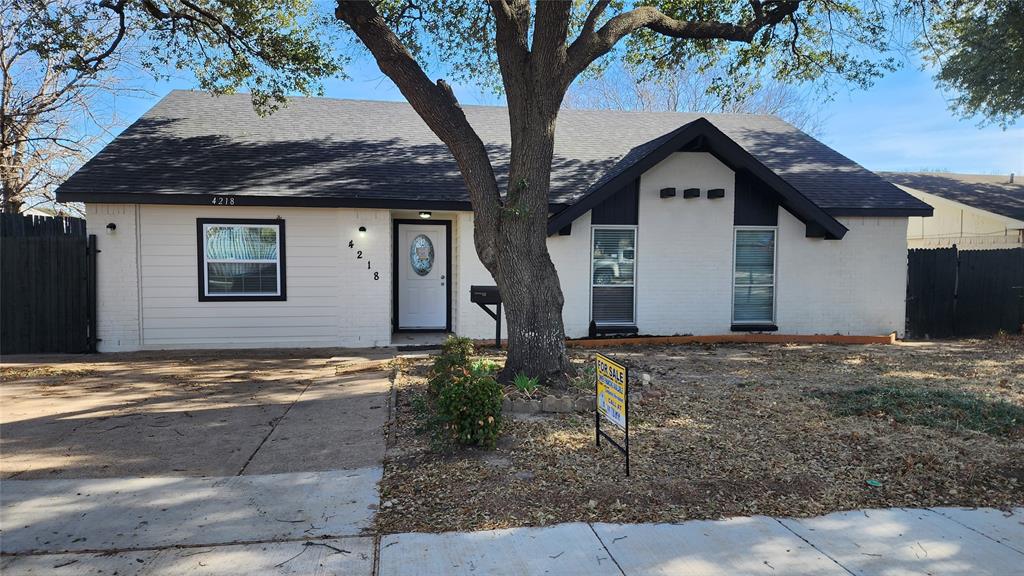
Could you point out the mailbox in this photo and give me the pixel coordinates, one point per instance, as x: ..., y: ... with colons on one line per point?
x: 484, y: 296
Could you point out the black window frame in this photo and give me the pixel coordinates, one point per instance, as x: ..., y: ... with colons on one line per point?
x: 201, y: 259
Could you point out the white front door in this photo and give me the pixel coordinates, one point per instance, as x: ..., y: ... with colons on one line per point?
x: 422, y: 257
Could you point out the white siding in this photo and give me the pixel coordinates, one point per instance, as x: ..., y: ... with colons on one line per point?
x: 148, y: 273
x: 117, y: 275
x: 332, y: 298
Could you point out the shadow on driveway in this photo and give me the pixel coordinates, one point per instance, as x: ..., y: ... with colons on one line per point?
x: 198, y: 414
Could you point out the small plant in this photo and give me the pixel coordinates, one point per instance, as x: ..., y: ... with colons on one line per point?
x: 484, y: 367
x: 453, y: 360
x: 469, y: 407
x: 584, y: 378
x: 525, y: 384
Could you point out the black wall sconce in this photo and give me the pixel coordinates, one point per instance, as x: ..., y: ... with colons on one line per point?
x: 111, y: 227
x: 362, y: 230
x: 691, y: 193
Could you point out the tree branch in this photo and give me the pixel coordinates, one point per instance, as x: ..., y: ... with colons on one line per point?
x: 588, y: 48
x: 437, y: 106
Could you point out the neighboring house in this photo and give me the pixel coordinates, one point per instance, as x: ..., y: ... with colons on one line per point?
x: 973, y: 211
x: 336, y: 222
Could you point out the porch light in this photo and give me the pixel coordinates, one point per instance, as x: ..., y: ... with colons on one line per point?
x: 424, y: 215
x: 362, y: 230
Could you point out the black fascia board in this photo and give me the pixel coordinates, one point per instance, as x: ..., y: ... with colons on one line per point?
x: 883, y: 212
x: 287, y: 201
x: 725, y: 149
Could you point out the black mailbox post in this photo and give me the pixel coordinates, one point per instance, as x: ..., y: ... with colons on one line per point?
x: 483, y: 296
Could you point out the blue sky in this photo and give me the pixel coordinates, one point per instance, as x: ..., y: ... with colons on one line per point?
x: 902, y: 123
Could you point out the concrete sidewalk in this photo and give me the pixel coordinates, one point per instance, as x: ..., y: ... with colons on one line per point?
x: 894, y: 542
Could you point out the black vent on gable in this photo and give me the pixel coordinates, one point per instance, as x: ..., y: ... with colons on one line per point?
x: 619, y: 208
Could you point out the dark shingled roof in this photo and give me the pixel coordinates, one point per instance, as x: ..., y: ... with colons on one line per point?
x: 986, y: 192
x: 346, y: 152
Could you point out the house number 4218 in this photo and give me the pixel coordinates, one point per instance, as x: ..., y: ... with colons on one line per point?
x: 223, y: 201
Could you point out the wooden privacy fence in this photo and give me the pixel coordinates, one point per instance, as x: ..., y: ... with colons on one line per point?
x: 954, y: 293
x: 48, y: 280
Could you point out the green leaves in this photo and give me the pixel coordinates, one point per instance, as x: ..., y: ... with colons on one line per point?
x: 978, y: 49
x: 466, y: 397
x: 270, y: 48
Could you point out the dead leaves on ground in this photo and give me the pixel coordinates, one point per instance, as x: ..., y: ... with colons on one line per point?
x: 729, y: 430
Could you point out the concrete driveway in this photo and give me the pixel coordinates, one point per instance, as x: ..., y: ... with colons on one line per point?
x: 119, y: 453
x: 181, y: 414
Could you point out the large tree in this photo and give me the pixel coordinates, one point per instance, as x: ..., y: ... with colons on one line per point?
x: 532, y: 52
x: 538, y: 50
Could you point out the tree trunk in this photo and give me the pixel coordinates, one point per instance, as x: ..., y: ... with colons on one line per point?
x: 526, y: 276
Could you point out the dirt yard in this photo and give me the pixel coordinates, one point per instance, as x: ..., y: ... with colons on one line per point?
x: 794, y: 430
x: 191, y: 413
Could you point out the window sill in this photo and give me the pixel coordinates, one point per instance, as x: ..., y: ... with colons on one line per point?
x: 616, y: 329
x: 279, y: 298
x: 754, y: 328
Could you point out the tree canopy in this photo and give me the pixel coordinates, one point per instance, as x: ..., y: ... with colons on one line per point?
x: 978, y: 49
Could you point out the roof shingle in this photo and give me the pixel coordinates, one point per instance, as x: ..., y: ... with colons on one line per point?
x: 983, y: 191
x: 320, y: 148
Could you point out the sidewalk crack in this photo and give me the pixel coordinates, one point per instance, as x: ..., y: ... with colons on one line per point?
x: 825, y: 554
x: 972, y: 529
x: 603, y: 545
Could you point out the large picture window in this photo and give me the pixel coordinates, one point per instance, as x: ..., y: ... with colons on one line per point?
x: 613, y: 276
x: 753, y: 295
x: 241, y: 259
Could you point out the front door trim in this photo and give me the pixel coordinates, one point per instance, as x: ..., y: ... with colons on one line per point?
x: 447, y: 273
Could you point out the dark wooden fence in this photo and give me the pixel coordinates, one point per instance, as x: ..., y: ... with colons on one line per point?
x: 48, y: 279
x: 953, y: 293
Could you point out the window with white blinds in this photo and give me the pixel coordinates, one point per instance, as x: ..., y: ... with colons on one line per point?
x: 241, y: 260
x: 613, y: 276
x: 753, y: 295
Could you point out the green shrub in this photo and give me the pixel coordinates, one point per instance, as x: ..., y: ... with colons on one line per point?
x: 525, y: 384
x: 469, y: 406
x: 451, y: 363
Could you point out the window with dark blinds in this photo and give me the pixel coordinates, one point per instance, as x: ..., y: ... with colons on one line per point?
x: 753, y: 298
x: 613, y: 276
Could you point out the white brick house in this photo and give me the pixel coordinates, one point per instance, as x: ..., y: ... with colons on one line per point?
x: 339, y: 223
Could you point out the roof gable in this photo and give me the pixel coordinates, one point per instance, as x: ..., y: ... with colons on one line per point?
x: 699, y: 134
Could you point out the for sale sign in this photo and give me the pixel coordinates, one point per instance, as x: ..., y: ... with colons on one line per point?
x: 611, y: 391
x: 612, y: 401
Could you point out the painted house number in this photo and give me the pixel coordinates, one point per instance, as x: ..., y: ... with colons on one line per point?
x: 223, y: 201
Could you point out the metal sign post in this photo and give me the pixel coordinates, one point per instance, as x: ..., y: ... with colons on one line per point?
x: 612, y: 403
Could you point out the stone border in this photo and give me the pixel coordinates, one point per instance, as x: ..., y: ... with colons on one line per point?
x: 548, y: 405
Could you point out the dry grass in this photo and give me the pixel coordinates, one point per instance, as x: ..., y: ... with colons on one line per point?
x: 730, y: 430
